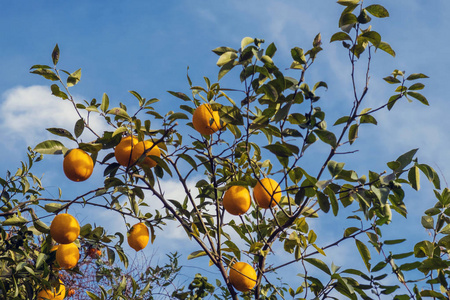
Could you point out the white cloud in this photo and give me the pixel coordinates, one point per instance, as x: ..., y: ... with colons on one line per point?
x: 26, y: 112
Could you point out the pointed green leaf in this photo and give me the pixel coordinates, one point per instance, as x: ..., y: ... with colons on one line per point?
x: 180, y: 95
x: 340, y: 36
x: 419, y: 97
x: 74, y: 78
x: 319, y: 264
x: 377, y: 10
x: 386, y: 48
x: 105, y: 103
x: 50, y: 147
x: 364, y: 252
x: 414, y: 178
x: 226, y: 58
x: 416, y: 76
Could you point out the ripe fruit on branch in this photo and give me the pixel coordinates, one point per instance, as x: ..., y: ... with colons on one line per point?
x: 94, y: 253
x: 242, y: 276
x: 205, y: 120
x: 267, y: 192
x: 64, y: 229
x: 143, y: 146
x: 138, y: 236
x: 123, y: 151
x: 77, y: 165
x: 67, y: 255
x: 53, y: 294
x: 236, y: 200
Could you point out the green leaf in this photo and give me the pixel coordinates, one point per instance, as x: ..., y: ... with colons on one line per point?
x: 414, y: 178
x: 340, y: 36
x: 180, y: 95
x: 118, y: 111
x: 386, y: 48
x: 327, y: 137
x: 391, y: 80
x: 50, y: 147
x: 225, y: 69
x: 55, y: 54
x: 416, y: 76
x: 335, y: 168
x: 427, y: 222
x: 373, y: 37
x: 52, y: 207
x: 319, y: 264
x: 46, y: 73
x: 393, y: 242
x: 298, y: 55
x: 347, y: 19
x: 279, y: 149
x: 324, y: 203
x: 246, y: 41
x: 405, y: 159
x: 79, y: 127
x: 377, y: 10
x: 353, y: 133
x: 74, y: 78
x: 178, y: 116
x: 14, y: 221
x: 416, y: 86
x: 226, y: 58
x: 341, y: 120
x: 57, y: 92
x: 221, y: 50
x: 196, y: 254
x: 368, y: 119
x: 188, y: 159
x: 348, y: 2
x: 364, y: 252
x: 61, y: 132
x: 105, y: 103
x: 419, y: 97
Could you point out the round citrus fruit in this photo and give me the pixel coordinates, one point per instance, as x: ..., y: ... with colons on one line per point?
x: 64, y: 229
x: 123, y: 150
x: 78, y: 165
x: 53, y: 294
x: 138, y: 236
x: 267, y: 192
x: 242, y: 276
x: 67, y: 255
x: 236, y: 200
x: 202, y: 122
x: 143, y: 146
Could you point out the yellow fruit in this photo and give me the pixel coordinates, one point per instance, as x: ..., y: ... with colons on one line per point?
x: 123, y: 150
x: 265, y: 190
x: 138, y: 236
x: 53, y: 294
x: 242, y: 276
x: 64, y: 229
x: 201, y: 119
x: 236, y: 200
x: 78, y: 165
x: 67, y: 255
x: 140, y: 148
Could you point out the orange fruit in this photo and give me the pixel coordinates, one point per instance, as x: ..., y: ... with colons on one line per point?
x: 53, y: 294
x: 123, y: 150
x: 67, y: 255
x: 236, y: 200
x: 78, y: 165
x: 140, y: 148
x: 64, y: 229
x: 205, y: 120
x: 138, y: 236
x: 94, y: 253
x: 267, y: 192
x: 242, y: 276
x: 70, y: 292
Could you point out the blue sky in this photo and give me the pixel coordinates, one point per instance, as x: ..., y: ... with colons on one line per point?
x: 147, y: 46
